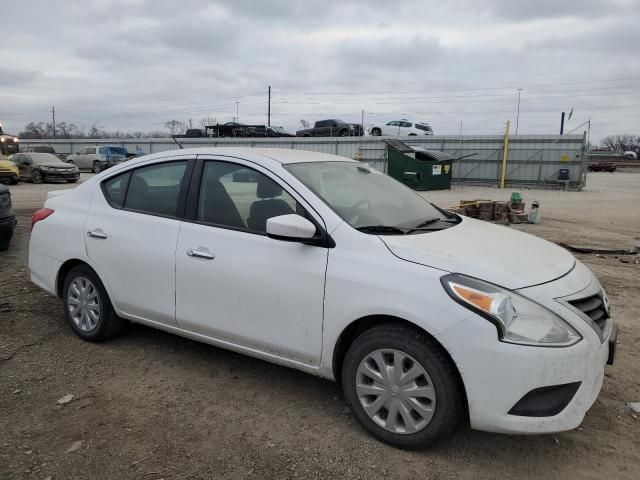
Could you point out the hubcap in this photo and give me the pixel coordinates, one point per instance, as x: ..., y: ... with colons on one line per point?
x: 395, y: 391
x: 83, y: 304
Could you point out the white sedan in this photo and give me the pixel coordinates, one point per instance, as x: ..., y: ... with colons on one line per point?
x: 320, y: 263
x: 402, y: 128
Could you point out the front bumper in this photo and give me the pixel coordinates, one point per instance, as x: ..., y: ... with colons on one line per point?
x: 498, y: 376
x: 7, y: 175
x: 53, y: 176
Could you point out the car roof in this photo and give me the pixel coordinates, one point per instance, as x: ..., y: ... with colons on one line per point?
x: 280, y: 155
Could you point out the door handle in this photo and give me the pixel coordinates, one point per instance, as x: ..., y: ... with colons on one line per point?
x: 97, y: 233
x: 200, y: 254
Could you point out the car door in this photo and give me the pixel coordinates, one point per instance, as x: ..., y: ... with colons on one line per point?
x: 404, y: 128
x: 233, y: 282
x: 131, y: 234
x: 391, y: 128
x: 88, y: 157
x: 77, y: 158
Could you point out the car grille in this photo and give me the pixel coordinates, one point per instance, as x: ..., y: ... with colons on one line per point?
x: 594, y: 307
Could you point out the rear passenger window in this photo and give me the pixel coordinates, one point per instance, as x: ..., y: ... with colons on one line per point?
x: 114, y: 189
x: 155, y: 189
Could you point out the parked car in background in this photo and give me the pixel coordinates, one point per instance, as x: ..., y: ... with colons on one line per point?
x: 42, y: 149
x: 630, y: 155
x: 7, y: 218
x: 8, y: 171
x: 44, y: 167
x: 8, y: 143
x: 401, y: 128
x: 37, y: 149
x: 98, y: 157
x: 320, y: 263
x: 278, y: 132
x: 328, y: 128
x: 602, y: 167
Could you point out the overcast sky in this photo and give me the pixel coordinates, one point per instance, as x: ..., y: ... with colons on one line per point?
x: 133, y: 65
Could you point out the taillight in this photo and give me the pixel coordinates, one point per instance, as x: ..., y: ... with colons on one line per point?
x: 40, y: 215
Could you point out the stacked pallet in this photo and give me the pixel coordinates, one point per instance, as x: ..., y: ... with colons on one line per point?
x: 492, y: 211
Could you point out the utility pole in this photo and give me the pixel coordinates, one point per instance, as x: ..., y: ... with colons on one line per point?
x: 237, y: 118
x: 505, y: 156
x: 269, y: 109
x: 562, y: 124
x: 53, y: 114
x: 362, y: 120
x: 518, y: 115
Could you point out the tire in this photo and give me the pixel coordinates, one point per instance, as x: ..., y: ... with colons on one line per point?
x: 376, y: 132
x: 14, y: 181
x: 36, y: 177
x: 344, y: 133
x: 98, y: 326
x: 97, y: 168
x: 414, y: 349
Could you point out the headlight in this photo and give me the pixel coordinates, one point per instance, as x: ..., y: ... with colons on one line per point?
x: 44, y: 168
x: 518, y: 319
x: 15, y: 140
x: 2, y: 139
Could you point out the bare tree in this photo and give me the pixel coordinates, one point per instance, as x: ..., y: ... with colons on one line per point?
x: 304, y: 123
x: 621, y: 143
x: 208, y: 121
x: 34, y: 130
x: 69, y: 130
x: 175, y: 127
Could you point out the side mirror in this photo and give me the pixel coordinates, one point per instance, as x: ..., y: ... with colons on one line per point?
x: 290, y: 227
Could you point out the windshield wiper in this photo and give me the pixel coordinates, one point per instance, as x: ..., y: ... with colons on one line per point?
x: 423, y: 225
x: 382, y: 229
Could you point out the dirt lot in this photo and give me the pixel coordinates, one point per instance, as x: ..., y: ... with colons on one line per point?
x: 149, y: 405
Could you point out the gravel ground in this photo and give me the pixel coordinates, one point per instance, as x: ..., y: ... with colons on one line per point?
x: 149, y: 405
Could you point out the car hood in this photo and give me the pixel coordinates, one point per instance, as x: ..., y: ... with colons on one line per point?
x: 56, y: 165
x: 7, y: 163
x: 493, y: 253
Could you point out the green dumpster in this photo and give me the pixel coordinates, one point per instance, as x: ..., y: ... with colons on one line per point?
x: 420, y: 169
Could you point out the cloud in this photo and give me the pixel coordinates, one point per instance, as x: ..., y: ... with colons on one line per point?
x: 17, y: 78
x: 134, y: 64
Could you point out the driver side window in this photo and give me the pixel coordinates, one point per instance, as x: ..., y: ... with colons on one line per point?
x: 239, y: 197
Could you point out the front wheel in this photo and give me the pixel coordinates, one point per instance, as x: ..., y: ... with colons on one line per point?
x: 344, y: 133
x: 376, y: 132
x: 97, y: 167
x: 402, y: 387
x: 87, y: 306
x: 36, y: 177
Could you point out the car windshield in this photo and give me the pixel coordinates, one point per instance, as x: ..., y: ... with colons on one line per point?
x: 366, y: 198
x: 423, y: 127
x: 44, y: 158
x: 113, y: 151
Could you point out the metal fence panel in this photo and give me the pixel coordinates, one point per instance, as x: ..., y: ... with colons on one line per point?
x: 533, y: 159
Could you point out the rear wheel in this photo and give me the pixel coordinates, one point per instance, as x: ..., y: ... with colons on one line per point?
x: 402, y: 387
x: 376, y: 132
x: 97, y: 167
x: 87, y: 306
x: 36, y: 177
x: 344, y: 133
